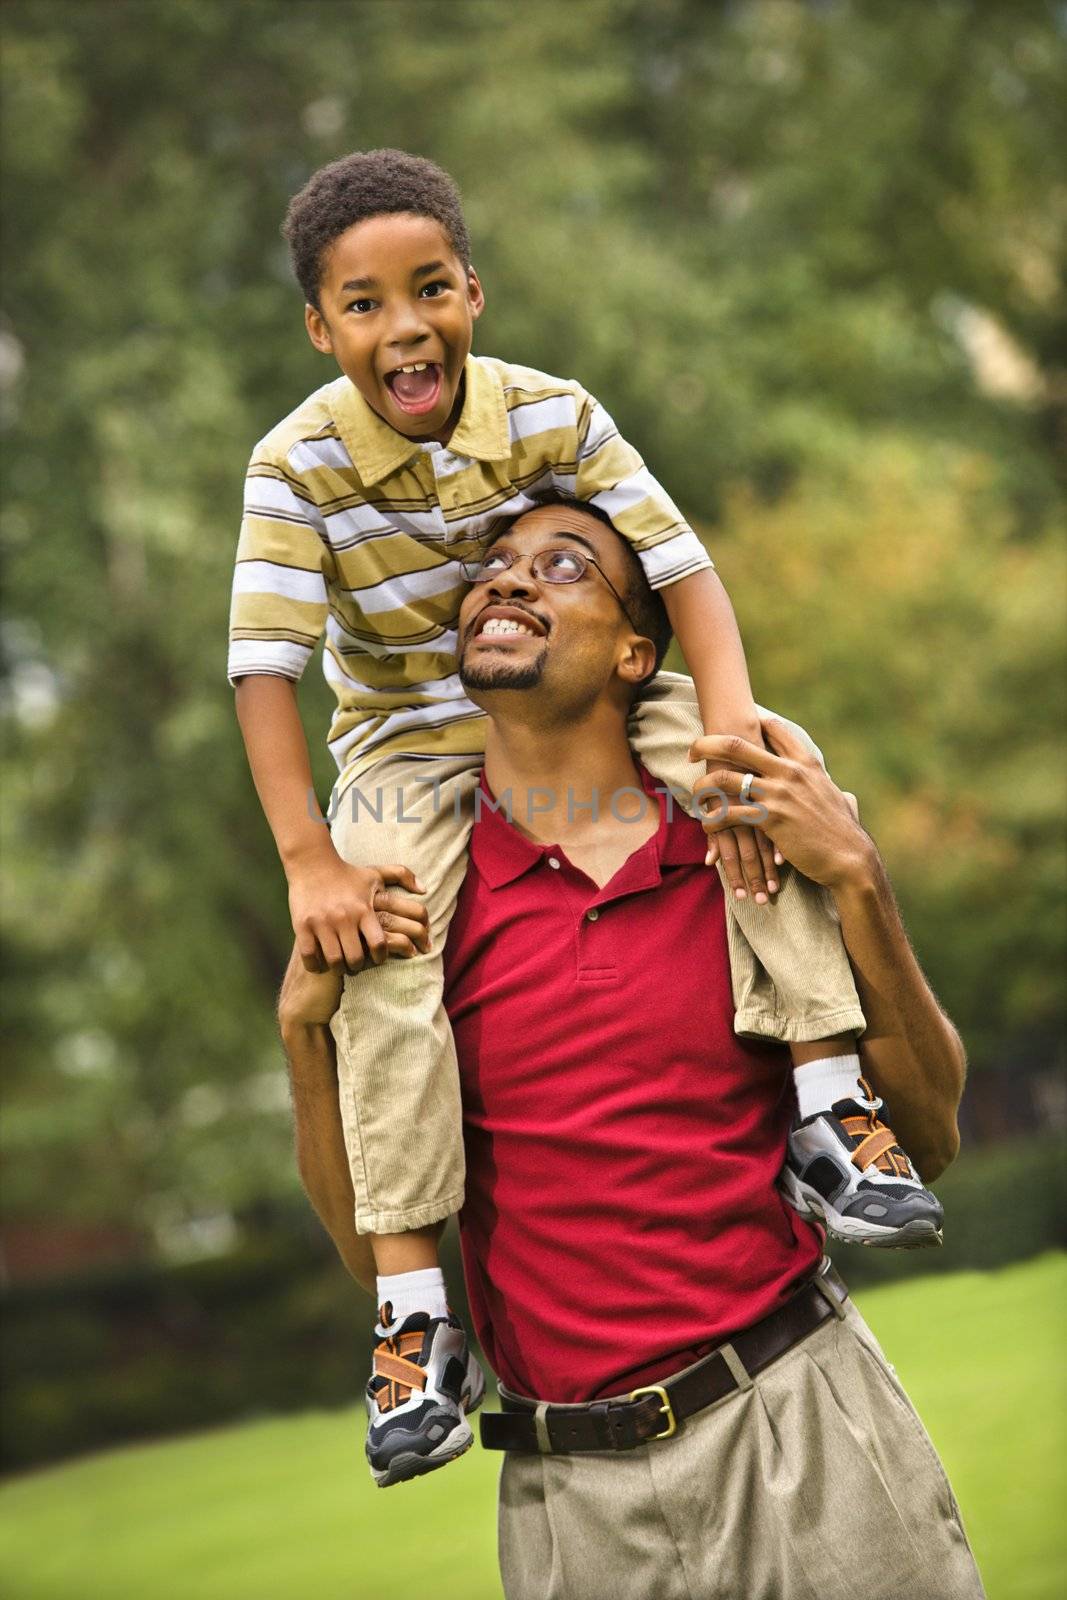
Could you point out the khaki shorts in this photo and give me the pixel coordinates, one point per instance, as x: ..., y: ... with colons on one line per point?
x: 399, y: 1085
x: 818, y: 1482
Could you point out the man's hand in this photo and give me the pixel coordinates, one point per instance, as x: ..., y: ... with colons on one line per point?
x: 307, y: 999
x: 811, y: 822
x: 343, y: 915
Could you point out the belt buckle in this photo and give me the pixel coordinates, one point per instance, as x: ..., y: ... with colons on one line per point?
x: 664, y: 1405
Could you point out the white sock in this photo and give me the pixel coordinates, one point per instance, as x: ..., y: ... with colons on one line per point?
x: 414, y: 1291
x: 821, y: 1083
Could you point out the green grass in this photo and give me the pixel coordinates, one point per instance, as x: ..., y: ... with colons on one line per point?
x: 283, y: 1510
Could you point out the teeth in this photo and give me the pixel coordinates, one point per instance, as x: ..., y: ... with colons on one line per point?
x: 419, y: 366
x: 506, y: 625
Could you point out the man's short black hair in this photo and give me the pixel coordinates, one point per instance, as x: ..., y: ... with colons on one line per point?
x: 368, y: 183
x: 642, y: 602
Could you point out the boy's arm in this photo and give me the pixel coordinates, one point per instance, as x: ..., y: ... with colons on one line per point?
x: 331, y: 903
x: 704, y: 624
x: 611, y: 473
x: 706, y: 629
x: 278, y: 612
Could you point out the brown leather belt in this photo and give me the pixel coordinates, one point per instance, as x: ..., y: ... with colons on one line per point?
x: 654, y: 1410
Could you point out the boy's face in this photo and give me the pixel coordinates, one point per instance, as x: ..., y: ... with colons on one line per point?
x: 395, y: 295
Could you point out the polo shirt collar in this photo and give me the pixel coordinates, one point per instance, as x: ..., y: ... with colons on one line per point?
x: 377, y: 450
x: 501, y: 853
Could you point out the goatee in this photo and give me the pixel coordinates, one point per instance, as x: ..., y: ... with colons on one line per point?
x: 503, y: 674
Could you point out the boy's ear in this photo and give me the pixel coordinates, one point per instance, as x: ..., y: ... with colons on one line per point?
x: 475, y: 293
x: 318, y: 332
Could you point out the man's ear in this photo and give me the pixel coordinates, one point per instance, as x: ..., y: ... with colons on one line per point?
x: 475, y: 293
x: 318, y: 332
x: 638, y: 661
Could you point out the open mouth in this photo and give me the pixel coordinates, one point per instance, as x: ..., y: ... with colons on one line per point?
x: 505, y: 625
x: 416, y: 387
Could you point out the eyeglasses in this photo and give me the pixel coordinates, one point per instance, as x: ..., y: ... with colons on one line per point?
x: 547, y: 566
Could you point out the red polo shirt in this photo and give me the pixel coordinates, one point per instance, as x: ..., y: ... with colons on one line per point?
x: 622, y: 1143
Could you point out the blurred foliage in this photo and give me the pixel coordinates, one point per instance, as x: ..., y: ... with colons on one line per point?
x: 809, y: 256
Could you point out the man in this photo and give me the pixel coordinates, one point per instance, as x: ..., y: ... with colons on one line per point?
x: 691, y: 1407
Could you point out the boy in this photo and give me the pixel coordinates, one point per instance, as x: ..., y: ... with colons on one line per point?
x: 363, y: 510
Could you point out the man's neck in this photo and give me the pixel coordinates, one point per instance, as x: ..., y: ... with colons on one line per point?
x: 562, y: 776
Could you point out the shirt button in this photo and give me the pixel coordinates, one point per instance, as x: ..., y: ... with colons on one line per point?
x: 591, y: 916
x: 553, y: 862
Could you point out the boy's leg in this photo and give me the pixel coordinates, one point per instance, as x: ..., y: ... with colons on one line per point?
x: 792, y: 981
x: 791, y: 977
x: 396, y: 1062
x: 400, y: 1108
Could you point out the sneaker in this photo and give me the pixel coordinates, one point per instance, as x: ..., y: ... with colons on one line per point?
x: 845, y: 1167
x: 424, y: 1382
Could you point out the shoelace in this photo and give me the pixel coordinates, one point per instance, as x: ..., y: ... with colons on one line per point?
x: 392, y: 1361
x: 878, y: 1146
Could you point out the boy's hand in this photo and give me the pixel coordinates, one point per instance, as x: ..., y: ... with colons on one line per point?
x: 343, y: 915
x: 746, y: 855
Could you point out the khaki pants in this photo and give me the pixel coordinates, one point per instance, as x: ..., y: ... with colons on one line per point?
x: 818, y: 1482
x: 399, y: 1085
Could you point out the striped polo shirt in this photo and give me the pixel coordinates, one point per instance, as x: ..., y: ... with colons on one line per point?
x: 353, y: 530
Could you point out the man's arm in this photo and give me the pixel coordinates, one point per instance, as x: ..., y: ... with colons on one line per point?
x: 305, y: 1005
x: 911, y: 1052
x: 320, y: 1146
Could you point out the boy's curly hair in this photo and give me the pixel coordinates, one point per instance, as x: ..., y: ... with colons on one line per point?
x: 367, y: 183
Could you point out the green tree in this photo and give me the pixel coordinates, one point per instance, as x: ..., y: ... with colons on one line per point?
x: 806, y: 253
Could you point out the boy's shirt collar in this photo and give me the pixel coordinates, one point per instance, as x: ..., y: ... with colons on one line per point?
x: 377, y: 450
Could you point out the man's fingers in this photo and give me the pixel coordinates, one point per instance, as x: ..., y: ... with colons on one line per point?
x: 416, y: 932
x: 399, y: 913
x: 735, y: 815
x: 403, y: 876
x: 715, y: 790
x: 723, y: 785
x: 787, y: 743
x: 401, y: 905
x: 740, y: 753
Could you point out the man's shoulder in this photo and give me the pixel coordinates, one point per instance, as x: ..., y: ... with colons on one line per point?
x: 291, y: 444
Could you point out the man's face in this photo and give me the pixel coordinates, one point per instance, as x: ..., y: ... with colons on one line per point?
x: 570, y: 641
x: 395, y: 295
